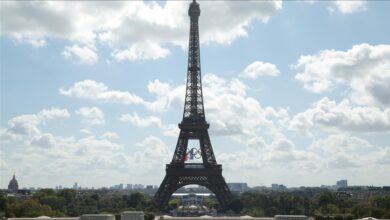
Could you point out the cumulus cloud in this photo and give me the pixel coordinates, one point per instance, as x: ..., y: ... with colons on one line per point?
x: 349, y: 7
x: 338, y: 155
x: 90, y: 89
x: 342, y: 151
x: 259, y: 68
x: 231, y: 111
x: 77, y: 157
x: 328, y: 115
x: 144, y: 51
x: 128, y: 27
x: 166, y: 96
x: 154, y: 152
x: 150, y: 121
x: 141, y: 122
x: 91, y: 115
x: 278, y: 154
x: 45, y: 140
x: 110, y: 135
x: 228, y: 108
x: 27, y: 125
x: 364, y: 68
x: 84, y: 54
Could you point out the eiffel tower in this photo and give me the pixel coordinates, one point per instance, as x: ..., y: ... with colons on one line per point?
x: 193, y: 127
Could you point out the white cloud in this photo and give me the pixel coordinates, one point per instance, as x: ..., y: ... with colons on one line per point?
x: 46, y: 114
x: 150, y: 121
x: 110, y: 135
x: 166, y: 97
x: 230, y: 111
x: 141, y: 122
x: 259, y: 68
x: 228, y: 108
x: 364, y: 68
x: 91, y: 115
x: 155, y: 153
x: 131, y: 25
x: 144, y: 51
x: 328, y: 115
x: 341, y: 151
x: 86, y: 131
x: 335, y: 156
x: 349, y: 7
x: 90, y: 89
x: 84, y: 54
x: 45, y: 140
x: 72, y: 157
x: 27, y: 125
x: 258, y: 155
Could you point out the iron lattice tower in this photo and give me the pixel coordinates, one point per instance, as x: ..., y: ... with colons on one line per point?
x: 193, y: 127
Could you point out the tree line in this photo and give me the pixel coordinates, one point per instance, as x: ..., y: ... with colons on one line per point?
x: 68, y: 202
x: 322, y: 205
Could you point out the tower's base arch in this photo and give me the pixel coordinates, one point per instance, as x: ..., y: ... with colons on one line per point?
x: 192, y: 174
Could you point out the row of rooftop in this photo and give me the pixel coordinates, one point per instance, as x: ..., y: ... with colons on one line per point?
x: 13, y: 186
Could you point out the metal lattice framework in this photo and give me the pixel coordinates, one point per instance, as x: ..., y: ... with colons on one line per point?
x: 193, y: 127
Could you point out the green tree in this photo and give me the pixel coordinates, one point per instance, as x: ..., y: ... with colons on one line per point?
x: 135, y: 200
x: 325, y: 198
x: 382, y: 202
x: 149, y: 216
x: 4, y: 210
x: 55, y: 202
x: 68, y: 194
x: 31, y: 208
x: 257, y: 212
x: 361, y: 210
x: 328, y: 209
x: 44, y: 192
x: 174, y: 203
x: 211, y: 203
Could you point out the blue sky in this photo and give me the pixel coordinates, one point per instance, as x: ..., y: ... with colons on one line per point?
x: 296, y: 93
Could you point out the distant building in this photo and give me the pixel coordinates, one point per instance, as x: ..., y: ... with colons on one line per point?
x: 138, y: 186
x: 278, y: 187
x: 342, y: 184
x: 13, y: 185
x: 238, y: 187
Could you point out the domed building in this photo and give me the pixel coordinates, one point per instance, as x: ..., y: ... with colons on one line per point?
x: 13, y: 184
